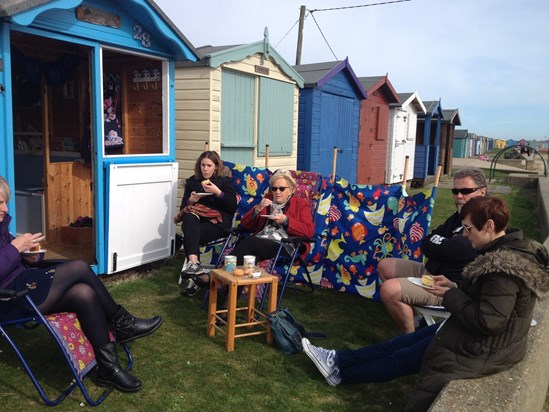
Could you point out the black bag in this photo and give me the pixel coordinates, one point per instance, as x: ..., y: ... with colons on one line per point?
x: 288, y: 332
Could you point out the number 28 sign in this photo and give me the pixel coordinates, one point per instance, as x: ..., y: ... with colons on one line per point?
x: 142, y: 36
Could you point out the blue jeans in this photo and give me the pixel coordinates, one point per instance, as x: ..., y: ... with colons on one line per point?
x: 387, y: 360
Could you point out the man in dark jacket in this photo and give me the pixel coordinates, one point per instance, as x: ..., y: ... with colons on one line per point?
x: 447, y: 252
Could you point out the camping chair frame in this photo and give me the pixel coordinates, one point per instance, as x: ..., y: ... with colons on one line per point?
x: 297, y: 242
x: 36, y: 317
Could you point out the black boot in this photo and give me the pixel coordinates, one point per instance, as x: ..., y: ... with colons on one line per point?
x: 127, y: 327
x: 111, y: 373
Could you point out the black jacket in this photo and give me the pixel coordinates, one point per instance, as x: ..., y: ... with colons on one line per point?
x: 491, y: 315
x: 226, y: 205
x: 447, y: 250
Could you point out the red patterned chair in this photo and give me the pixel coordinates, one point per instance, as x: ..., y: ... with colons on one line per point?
x: 17, y: 310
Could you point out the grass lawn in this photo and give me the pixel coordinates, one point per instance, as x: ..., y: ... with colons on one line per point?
x: 184, y: 370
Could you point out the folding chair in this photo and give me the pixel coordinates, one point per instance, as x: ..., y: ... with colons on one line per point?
x: 65, y: 330
x: 432, y: 313
x: 309, y: 185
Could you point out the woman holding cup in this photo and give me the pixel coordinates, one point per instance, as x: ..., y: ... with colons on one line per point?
x: 278, y: 215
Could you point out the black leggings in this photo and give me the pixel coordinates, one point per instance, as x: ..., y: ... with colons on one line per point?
x: 261, y: 248
x: 197, y: 232
x: 76, y: 288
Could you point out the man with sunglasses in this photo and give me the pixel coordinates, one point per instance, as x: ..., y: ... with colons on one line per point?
x: 447, y: 252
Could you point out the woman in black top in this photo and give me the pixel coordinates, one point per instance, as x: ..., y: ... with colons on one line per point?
x: 206, y: 213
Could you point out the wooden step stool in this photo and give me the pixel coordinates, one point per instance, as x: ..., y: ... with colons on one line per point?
x: 255, y: 319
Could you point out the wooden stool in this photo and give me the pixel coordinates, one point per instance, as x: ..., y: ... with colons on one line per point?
x: 254, y: 318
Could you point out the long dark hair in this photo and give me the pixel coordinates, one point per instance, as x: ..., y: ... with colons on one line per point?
x: 214, y: 157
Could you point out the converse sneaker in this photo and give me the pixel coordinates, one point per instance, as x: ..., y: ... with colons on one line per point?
x: 335, y: 378
x: 324, y: 359
x: 190, y: 288
x: 192, y: 268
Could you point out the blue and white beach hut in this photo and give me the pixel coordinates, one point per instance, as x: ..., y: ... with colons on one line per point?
x: 87, y: 138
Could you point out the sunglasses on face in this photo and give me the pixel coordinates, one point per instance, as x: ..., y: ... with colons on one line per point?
x: 465, y: 191
x: 279, y: 188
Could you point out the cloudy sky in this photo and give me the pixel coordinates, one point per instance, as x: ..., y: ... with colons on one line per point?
x: 487, y: 58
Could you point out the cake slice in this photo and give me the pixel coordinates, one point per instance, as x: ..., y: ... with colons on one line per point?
x: 428, y: 281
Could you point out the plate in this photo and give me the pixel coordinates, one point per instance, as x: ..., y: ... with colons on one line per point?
x: 204, y: 194
x: 28, y: 252
x: 268, y: 216
x: 417, y: 282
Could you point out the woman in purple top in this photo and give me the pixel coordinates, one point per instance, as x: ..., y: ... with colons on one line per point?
x: 70, y: 287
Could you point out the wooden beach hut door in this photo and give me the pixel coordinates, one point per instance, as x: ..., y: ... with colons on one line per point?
x: 336, y: 129
x: 237, y: 117
x: 141, y: 207
x: 398, y: 142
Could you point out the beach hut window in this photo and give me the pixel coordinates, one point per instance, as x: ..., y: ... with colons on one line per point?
x: 134, y: 112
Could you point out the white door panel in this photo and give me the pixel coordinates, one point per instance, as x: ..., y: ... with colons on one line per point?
x: 141, y: 205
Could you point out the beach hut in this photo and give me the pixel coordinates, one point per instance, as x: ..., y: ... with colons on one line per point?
x: 450, y: 119
x: 462, y: 143
x: 238, y: 99
x: 427, y: 142
x: 374, y: 129
x: 402, y: 136
x: 88, y: 136
x: 329, y: 114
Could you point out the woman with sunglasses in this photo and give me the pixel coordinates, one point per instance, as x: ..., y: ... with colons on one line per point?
x: 491, y: 312
x: 278, y: 215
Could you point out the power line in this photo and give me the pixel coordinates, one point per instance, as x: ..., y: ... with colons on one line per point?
x: 324, y: 37
x: 288, y: 32
x: 362, y: 5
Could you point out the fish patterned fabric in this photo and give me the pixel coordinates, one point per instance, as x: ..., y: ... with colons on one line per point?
x: 355, y: 226
x: 77, y: 346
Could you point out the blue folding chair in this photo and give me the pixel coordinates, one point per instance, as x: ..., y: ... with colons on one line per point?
x: 17, y: 310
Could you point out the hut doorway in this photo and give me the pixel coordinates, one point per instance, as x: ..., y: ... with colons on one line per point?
x: 52, y: 143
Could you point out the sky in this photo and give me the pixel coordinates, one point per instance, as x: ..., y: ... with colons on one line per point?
x: 487, y: 58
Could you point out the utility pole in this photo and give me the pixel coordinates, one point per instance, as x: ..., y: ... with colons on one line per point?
x: 300, y: 35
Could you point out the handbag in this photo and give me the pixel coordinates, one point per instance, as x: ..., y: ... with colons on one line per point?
x: 288, y: 332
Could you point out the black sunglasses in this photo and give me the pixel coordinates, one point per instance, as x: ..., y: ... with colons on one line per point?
x: 279, y: 188
x: 466, y: 191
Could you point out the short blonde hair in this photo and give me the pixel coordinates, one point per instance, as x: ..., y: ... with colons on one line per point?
x: 284, y: 174
x: 5, y: 189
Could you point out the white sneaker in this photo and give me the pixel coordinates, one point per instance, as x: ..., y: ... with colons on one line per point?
x: 335, y: 378
x: 192, y: 268
x: 324, y: 359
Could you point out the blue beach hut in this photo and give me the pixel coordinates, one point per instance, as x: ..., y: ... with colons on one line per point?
x: 427, y: 142
x: 329, y: 116
x: 88, y: 136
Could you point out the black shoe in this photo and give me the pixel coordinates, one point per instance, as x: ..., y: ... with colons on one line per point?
x: 204, y: 284
x: 111, y: 373
x: 127, y: 327
x: 190, y: 288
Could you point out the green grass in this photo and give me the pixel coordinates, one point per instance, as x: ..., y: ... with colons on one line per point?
x: 184, y: 370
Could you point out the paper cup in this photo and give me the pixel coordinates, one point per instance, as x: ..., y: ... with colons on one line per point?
x: 249, y: 261
x: 229, y: 263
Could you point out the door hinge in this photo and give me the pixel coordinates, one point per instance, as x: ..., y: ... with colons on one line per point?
x: 114, y: 261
